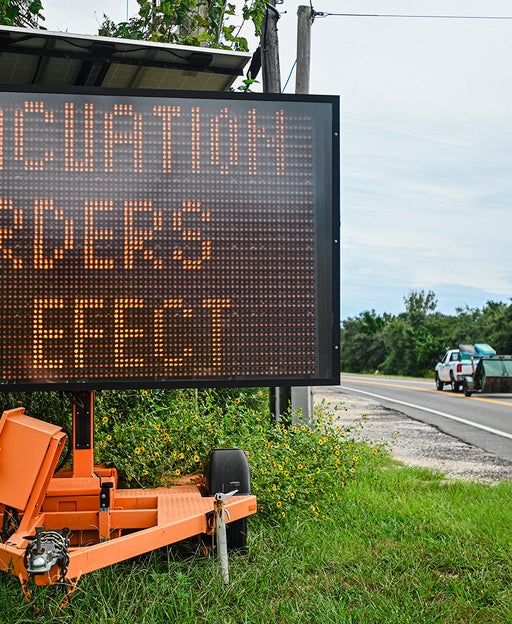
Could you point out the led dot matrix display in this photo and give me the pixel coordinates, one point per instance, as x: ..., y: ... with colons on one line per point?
x: 167, y: 240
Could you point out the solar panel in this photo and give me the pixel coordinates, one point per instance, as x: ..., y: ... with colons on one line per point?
x: 40, y: 57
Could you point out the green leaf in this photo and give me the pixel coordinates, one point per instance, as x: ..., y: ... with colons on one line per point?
x: 35, y: 7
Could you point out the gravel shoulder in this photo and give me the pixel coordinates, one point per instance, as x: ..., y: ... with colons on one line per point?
x: 412, y: 442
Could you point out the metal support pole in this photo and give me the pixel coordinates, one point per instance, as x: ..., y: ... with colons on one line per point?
x: 83, y: 433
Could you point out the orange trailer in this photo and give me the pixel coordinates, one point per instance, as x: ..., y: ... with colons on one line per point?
x: 57, y: 527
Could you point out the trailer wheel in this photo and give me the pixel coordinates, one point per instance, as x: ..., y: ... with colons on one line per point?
x: 228, y: 470
x: 467, y: 391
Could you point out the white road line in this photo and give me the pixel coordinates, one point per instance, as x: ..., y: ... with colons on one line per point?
x: 503, y: 434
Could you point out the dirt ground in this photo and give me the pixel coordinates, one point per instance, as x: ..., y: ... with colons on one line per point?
x: 412, y: 442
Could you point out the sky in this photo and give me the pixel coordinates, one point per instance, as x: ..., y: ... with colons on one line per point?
x: 426, y: 143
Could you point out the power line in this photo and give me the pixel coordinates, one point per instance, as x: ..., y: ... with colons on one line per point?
x: 289, y: 76
x: 406, y: 16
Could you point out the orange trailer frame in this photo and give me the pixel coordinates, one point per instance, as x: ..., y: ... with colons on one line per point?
x: 77, y: 520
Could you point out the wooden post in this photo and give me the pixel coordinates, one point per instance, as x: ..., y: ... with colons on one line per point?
x: 269, y: 44
x: 304, y: 18
x: 194, y: 31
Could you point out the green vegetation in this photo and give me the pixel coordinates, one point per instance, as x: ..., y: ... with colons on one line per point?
x: 401, y: 546
x: 188, y: 22
x: 412, y: 342
x: 154, y: 436
x: 23, y: 13
x: 204, y: 23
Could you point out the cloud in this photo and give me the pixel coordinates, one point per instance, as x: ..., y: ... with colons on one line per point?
x: 425, y: 207
x: 426, y: 118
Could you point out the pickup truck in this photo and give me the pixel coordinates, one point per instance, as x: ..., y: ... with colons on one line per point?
x: 460, y: 363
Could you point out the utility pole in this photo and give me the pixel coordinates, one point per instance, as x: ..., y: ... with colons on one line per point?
x: 302, y: 396
x: 188, y: 27
x: 304, y: 21
x: 269, y: 45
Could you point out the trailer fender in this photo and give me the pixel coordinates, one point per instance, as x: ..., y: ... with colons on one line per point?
x: 228, y: 470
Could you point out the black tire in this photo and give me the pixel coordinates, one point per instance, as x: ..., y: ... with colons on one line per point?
x: 455, y: 384
x: 228, y: 470
x: 466, y: 390
x: 439, y: 383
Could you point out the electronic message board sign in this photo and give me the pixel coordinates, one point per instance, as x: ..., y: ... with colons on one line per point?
x: 167, y: 239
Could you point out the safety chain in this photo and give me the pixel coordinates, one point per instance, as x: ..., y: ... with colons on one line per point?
x: 46, y: 549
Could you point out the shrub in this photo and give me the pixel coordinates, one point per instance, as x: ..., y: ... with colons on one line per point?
x: 153, y: 437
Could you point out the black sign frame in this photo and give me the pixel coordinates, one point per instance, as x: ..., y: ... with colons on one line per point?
x: 284, y: 355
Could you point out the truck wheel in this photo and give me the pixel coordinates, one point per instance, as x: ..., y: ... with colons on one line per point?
x: 439, y: 383
x: 455, y: 384
x: 228, y: 470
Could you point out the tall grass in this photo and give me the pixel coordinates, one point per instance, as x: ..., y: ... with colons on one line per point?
x: 402, y: 546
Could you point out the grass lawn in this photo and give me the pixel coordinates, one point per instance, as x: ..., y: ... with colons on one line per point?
x: 403, y: 545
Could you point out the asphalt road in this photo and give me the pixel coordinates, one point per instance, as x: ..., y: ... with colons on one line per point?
x: 485, y: 421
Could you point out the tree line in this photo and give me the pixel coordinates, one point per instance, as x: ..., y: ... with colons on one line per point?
x: 412, y: 342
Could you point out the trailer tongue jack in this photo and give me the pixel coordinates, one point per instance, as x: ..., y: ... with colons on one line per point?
x: 57, y: 527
